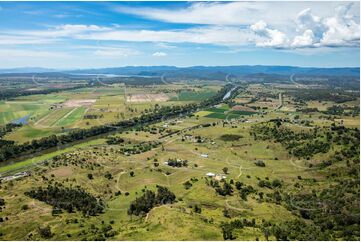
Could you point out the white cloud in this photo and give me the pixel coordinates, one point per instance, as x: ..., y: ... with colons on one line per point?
x: 23, y: 40
x: 112, y: 52
x: 234, y: 24
x: 304, y: 40
x: 165, y: 45
x: 341, y: 29
x: 217, y: 35
x: 159, y: 54
x: 270, y: 37
x: 231, y: 13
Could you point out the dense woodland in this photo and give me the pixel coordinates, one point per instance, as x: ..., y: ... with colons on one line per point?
x: 67, y: 198
x: 143, y: 204
x: 334, y: 95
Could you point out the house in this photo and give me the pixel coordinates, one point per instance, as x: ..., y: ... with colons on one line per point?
x: 204, y: 155
x: 210, y: 174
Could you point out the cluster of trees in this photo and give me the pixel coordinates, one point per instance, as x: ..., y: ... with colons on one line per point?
x: 223, y: 190
x: 188, y: 184
x: 18, y: 92
x: 67, y: 198
x: 298, y: 230
x: 230, y: 137
x: 143, y: 204
x: 8, y: 128
x: 93, y: 116
x: 10, y: 150
x: 307, y: 110
x: 139, y: 148
x: 299, y: 144
x: 334, y: 95
x: 274, y: 184
x: 113, y: 140
x: 343, y: 110
x: 227, y: 189
x: 335, y: 210
x: 229, y: 227
x: 177, y: 163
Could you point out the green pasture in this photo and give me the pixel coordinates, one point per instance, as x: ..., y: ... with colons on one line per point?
x: 193, y: 96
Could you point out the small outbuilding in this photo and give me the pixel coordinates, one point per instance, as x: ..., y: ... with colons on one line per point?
x: 210, y: 174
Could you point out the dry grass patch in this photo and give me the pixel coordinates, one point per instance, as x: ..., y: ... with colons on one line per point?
x: 135, y: 98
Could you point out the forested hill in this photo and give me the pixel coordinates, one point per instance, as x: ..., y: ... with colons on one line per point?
x: 231, y: 70
x: 241, y: 70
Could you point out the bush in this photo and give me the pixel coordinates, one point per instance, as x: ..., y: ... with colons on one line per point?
x: 260, y: 163
x: 187, y: 185
x: 25, y: 207
x: 45, y: 232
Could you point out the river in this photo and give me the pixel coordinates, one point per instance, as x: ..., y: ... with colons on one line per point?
x: 228, y: 94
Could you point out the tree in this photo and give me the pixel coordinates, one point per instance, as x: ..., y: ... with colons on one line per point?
x: 260, y: 163
x: 90, y: 176
x: 225, y: 170
x: 131, y: 173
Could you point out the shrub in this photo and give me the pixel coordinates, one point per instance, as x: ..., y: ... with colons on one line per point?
x: 260, y: 163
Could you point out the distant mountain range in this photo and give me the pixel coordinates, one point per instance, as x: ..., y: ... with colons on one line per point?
x: 27, y: 70
x: 199, y: 71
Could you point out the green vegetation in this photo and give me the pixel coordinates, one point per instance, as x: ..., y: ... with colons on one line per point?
x: 69, y: 199
x: 230, y: 137
x: 149, y: 199
x: 165, y: 170
x: 193, y: 96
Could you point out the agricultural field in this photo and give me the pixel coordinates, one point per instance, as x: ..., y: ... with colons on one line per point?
x: 43, y: 115
x: 225, y: 112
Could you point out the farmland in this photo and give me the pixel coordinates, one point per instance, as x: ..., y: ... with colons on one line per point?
x: 84, y: 108
x: 239, y: 171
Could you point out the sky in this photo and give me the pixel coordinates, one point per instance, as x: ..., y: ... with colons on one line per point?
x: 72, y: 35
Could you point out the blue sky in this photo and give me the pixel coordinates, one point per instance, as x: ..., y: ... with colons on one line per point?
x: 109, y: 34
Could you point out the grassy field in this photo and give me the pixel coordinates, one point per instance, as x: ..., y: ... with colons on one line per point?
x: 193, y: 96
